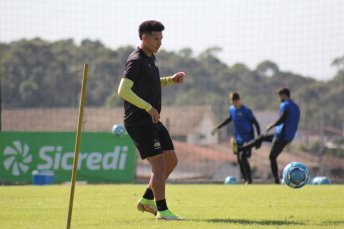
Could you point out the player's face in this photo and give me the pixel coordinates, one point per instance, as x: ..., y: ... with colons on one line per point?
x: 236, y: 103
x: 153, y: 42
x: 281, y: 97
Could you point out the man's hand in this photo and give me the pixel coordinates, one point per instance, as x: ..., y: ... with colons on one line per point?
x: 214, y: 131
x: 269, y: 127
x: 178, y: 77
x: 155, y: 115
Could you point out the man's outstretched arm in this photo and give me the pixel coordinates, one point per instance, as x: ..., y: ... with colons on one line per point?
x: 176, y: 78
x: 281, y: 120
x: 166, y: 81
x: 227, y: 121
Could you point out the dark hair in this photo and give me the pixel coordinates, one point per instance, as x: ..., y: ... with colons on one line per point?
x: 147, y: 27
x: 234, y: 96
x: 283, y: 91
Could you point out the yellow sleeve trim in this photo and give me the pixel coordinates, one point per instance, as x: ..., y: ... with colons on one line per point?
x: 166, y: 81
x: 124, y: 91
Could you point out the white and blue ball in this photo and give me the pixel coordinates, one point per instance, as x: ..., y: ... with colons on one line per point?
x: 296, y: 175
x: 230, y: 180
x: 118, y: 130
x: 321, y: 180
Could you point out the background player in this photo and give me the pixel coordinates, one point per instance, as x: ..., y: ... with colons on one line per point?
x: 243, y: 119
x: 285, y: 132
x: 140, y: 88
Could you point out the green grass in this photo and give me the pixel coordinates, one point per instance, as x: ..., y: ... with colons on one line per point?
x: 203, y: 206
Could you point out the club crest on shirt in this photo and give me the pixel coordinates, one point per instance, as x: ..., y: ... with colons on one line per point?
x: 157, y: 144
x: 240, y: 114
x: 156, y: 63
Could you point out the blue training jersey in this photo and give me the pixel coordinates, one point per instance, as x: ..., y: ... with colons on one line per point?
x: 287, y: 130
x: 243, y: 129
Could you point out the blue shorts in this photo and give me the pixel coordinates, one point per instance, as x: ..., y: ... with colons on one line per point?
x: 150, y: 139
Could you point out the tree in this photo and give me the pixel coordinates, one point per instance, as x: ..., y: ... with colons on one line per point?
x: 38, y: 73
x: 267, y: 68
x: 186, y: 52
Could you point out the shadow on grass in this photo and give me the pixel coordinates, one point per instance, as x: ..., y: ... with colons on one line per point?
x: 261, y: 222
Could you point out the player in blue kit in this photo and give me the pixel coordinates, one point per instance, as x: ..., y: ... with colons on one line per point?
x: 140, y: 88
x: 286, y: 127
x: 243, y: 121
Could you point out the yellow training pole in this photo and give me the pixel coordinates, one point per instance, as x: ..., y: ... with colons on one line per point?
x: 77, y: 144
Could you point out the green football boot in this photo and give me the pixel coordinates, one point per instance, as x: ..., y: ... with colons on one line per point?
x: 167, y: 215
x: 147, y: 205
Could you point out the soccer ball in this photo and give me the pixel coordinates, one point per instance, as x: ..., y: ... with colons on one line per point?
x: 230, y: 180
x: 118, y: 130
x: 296, y: 175
x: 321, y: 180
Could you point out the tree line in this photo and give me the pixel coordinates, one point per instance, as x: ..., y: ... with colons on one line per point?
x: 38, y: 73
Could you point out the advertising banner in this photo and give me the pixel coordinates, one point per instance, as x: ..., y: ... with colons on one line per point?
x: 102, y: 156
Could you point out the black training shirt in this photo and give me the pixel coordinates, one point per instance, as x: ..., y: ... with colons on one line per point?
x: 144, y: 72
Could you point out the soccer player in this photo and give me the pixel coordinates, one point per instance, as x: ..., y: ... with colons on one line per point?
x: 286, y: 127
x: 140, y: 88
x: 243, y: 119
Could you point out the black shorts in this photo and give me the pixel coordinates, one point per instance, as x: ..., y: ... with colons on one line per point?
x: 150, y: 139
x: 278, y: 146
x: 245, y: 153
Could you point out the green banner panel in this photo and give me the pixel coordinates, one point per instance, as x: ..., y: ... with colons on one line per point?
x: 102, y: 156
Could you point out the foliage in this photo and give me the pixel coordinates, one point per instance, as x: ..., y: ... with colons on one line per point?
x: 38, y: 73
x: 339, y: 141
x: 338, y: 151
x: 335, y: 152
x: 301, y: 147
x: 315, y: 147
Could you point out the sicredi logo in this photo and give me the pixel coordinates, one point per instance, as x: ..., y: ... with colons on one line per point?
x: 55, y: 159
x: 18, y: 159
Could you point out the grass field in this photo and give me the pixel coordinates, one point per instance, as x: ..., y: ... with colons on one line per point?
x: 203, y: 206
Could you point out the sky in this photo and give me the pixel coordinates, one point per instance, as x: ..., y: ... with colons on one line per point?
x: 300, y: 36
